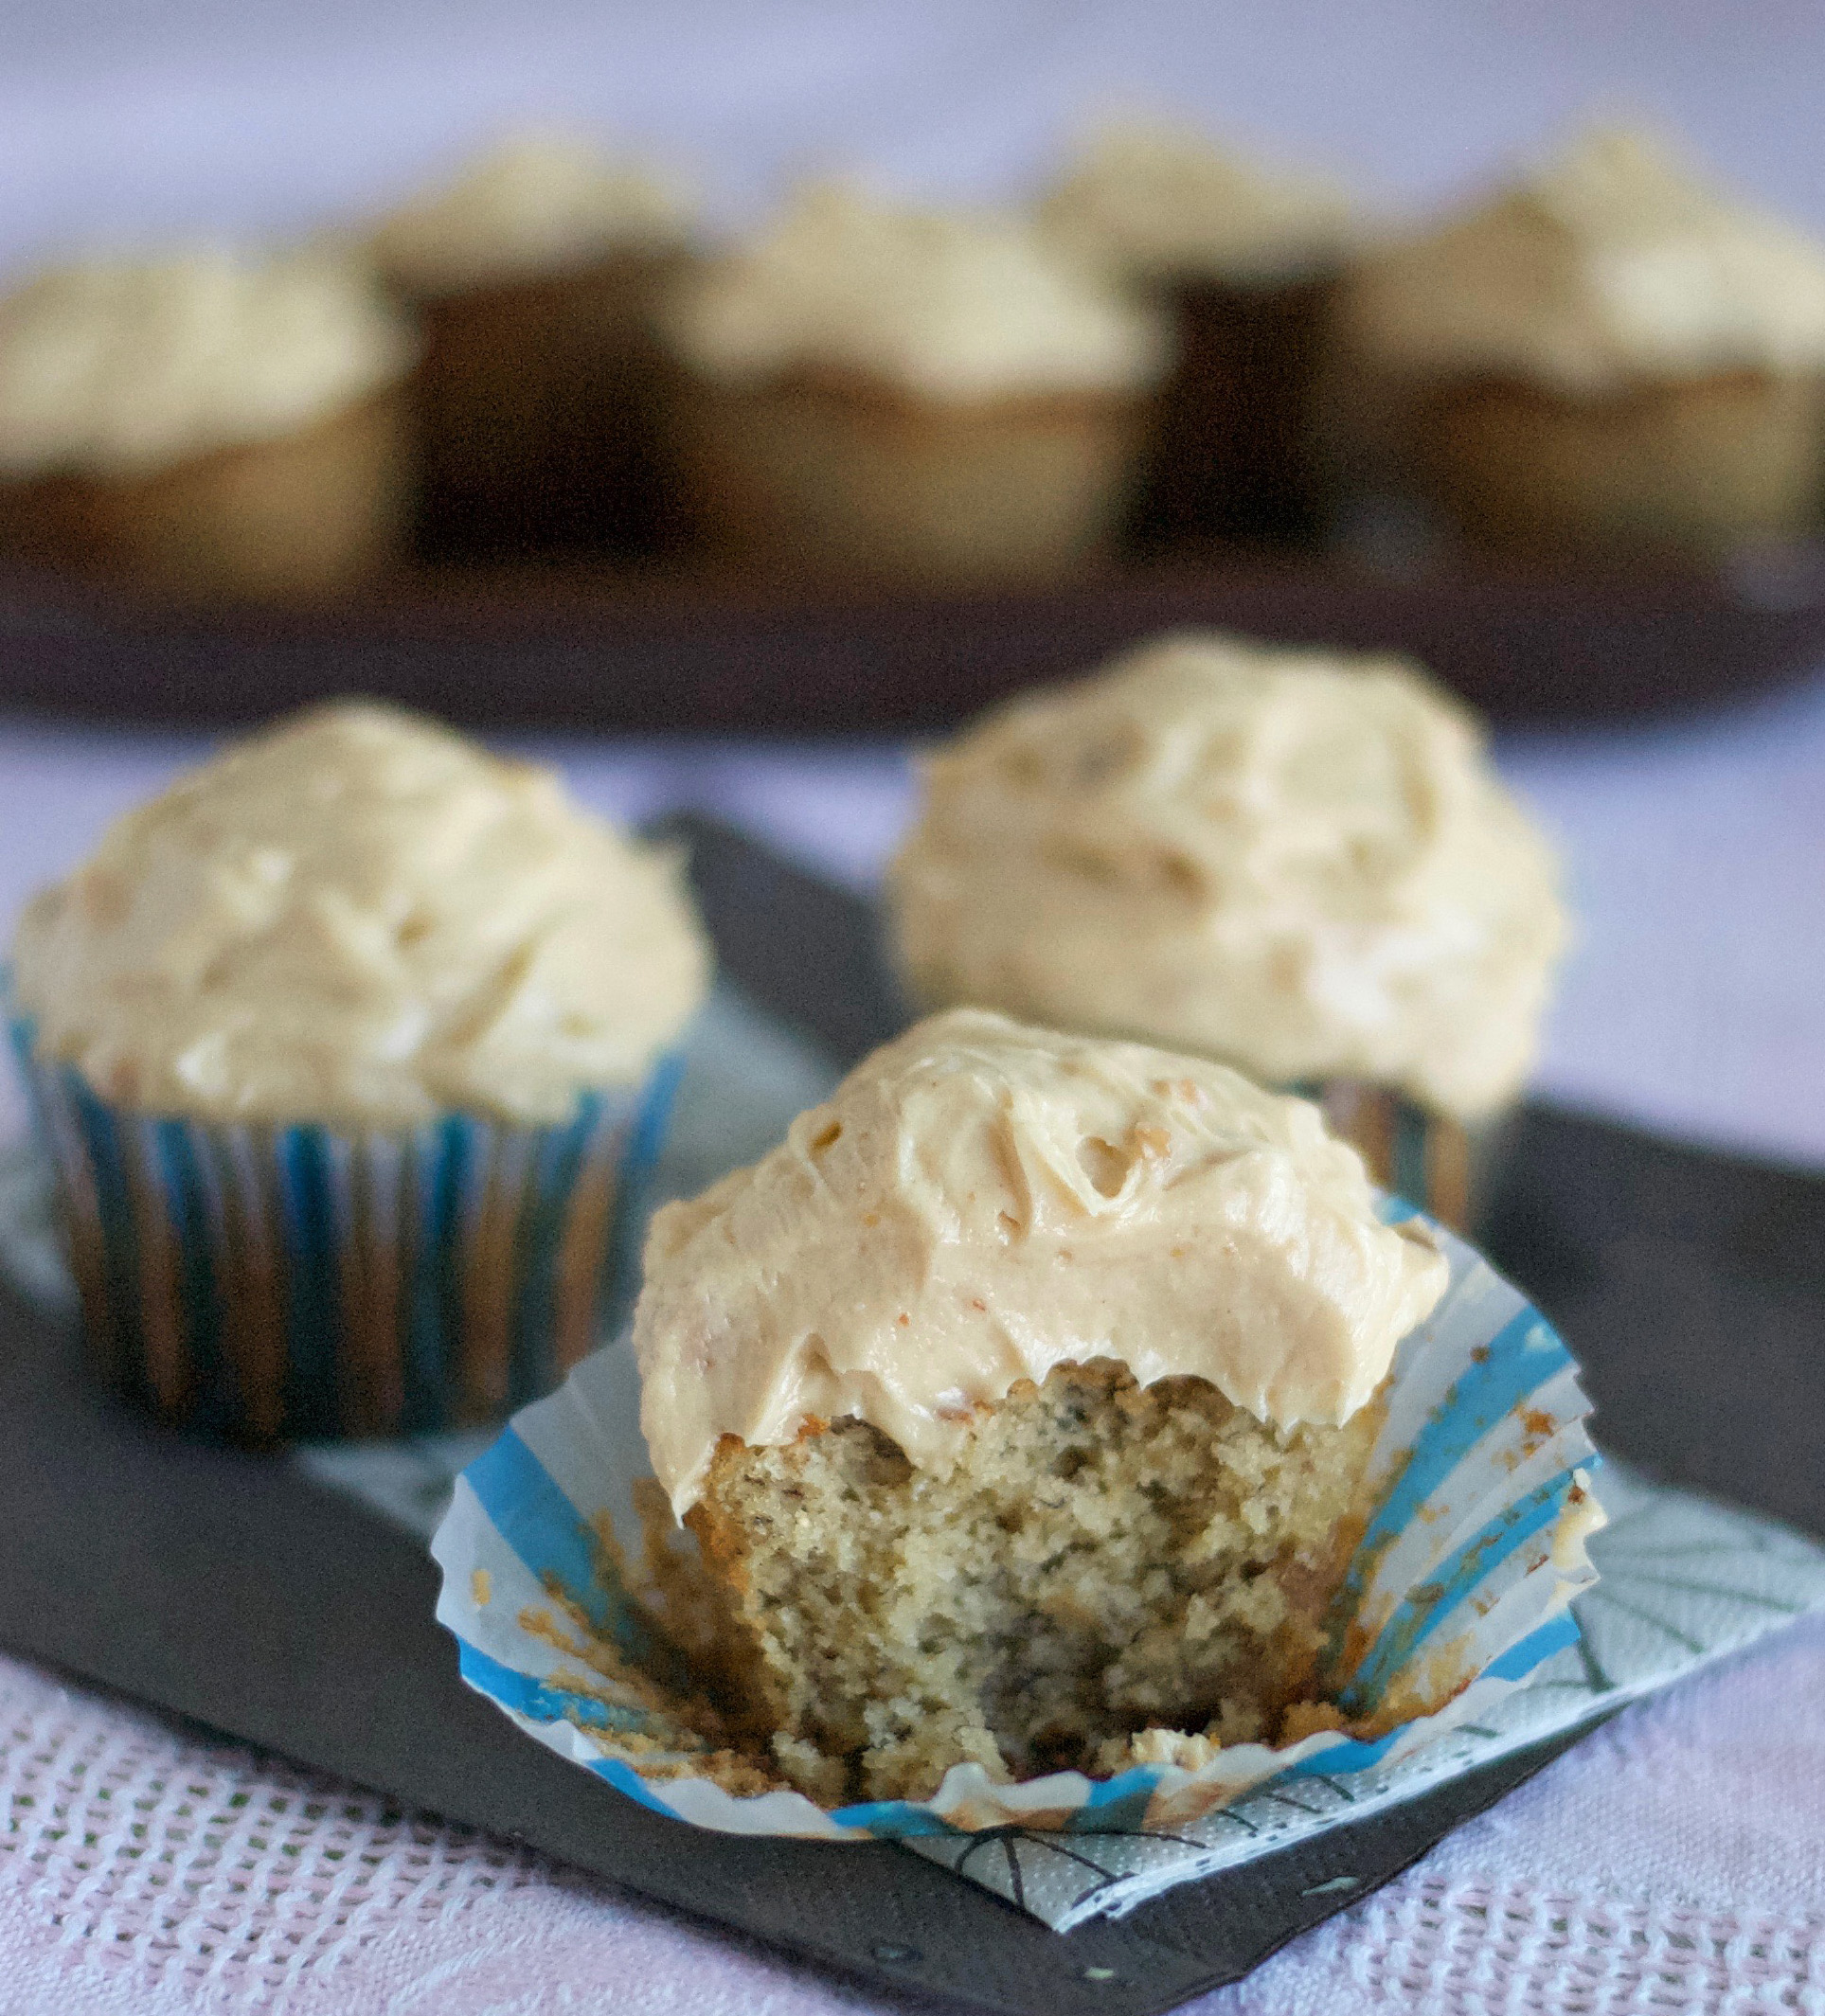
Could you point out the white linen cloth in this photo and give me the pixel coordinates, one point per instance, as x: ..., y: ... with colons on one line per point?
x: 122, y: 120
x: 1671, y: 1864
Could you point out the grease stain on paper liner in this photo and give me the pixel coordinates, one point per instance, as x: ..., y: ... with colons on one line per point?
x: 1458, y: 1589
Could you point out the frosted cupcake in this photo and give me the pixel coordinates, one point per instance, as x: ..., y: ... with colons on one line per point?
x: 349, y: 1050
x: 1606, y: 358
x: 204, y: 423
x: 534, y: 271
x: 1298, y: 861
x: 1022, y: 1401
x: 1245, y: 258
x: 908, y: 395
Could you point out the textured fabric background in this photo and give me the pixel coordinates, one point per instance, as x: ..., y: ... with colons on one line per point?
x: 126, y: 116
x: 1672, y: 1863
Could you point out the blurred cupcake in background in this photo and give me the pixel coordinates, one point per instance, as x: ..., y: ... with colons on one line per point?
x: 1607, y: 357
x: 349, y: 1051
x: 205, y: 421
x: 909, y: 395
x: 1245, y: 258
x: 1299, y: 862
x: 536, y: 270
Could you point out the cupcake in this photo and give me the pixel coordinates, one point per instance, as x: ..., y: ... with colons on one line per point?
x: 349, y: 1050
x: 1298, y: 861
x: 1022, y: 1402
x: 1245, y: 259
x: 534, y: 273
x: 910, y: 395
x: 205, y: 422
x: 1606, y: 359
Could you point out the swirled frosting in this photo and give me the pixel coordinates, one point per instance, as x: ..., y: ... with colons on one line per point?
x: 1297, y: 861
x: 541, y: 202
x: 949, y: 306
x: 121, y: 366
x: 1612, y: 265
x: 979, y: 1201
x: 361, y: 917
x: 1153, y: 201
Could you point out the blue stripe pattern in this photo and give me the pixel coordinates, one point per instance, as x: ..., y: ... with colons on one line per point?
x: 1439, y: 1596
x: 533, y: 1517
x: 557, y: 1544
x: 541, y: 1525
x: 626, y: 1779
x: 345, y: 1220
x: 536, y: 1699
x: 1516, y: 1361
x: 1119, y: 1804
x: 1555, y: 1636
x: 181, y: 1180
x: 892, y: 1819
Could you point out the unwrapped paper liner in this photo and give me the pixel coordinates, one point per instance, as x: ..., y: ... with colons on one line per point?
x: 271, y: 1282
x: 1458, y: 1589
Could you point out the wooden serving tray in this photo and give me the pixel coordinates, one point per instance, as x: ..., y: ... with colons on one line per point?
x: 579, y: 645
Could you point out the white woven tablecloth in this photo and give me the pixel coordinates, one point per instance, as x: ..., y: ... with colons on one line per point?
x: 1672, y: 1863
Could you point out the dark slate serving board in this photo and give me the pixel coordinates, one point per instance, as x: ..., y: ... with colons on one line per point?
x: 234, y: 1590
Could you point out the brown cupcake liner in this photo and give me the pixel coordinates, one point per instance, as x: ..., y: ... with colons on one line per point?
x: 837, y: 476
x: 1433, y: 1160
x: 310, y: 514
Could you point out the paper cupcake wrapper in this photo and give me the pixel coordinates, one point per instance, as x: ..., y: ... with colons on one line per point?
x: 1458, y: 1591
x: 1433, y: 1162
x: 269, y: 1283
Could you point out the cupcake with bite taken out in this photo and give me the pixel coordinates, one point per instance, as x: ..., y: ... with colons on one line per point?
x: 1298, y: 861
x: 871, y: 392
x: 1022, y: 1402
x: 349, y: 1050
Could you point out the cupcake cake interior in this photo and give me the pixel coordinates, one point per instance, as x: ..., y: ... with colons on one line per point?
x: 1105, y: 1559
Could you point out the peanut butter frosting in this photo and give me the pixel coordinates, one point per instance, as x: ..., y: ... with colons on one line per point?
x: 122, y: 367
x: 359, y: 918
x: 979, y: 1201
x: 1153, y: 201
x: 1298, y: 861
x: 538, y: 203
x: 1611, y: 265
x: 950, y: 306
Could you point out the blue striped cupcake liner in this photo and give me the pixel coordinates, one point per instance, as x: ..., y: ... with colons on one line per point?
x: 267, y: 1283
x: 1436, y: 1163
x: 1480, y: 1485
